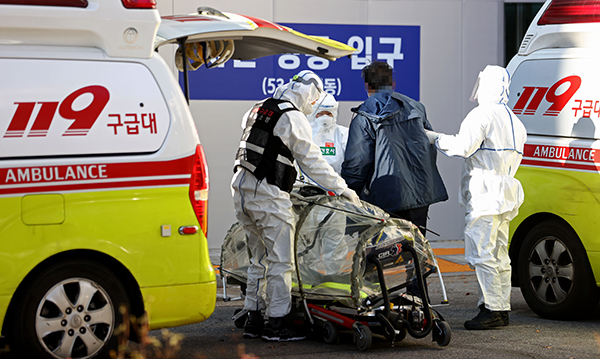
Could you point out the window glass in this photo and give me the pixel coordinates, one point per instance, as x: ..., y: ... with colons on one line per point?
x: 517, y: 17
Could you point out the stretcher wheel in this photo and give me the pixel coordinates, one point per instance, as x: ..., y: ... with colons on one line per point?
x: 442, y: 333
x: 388, y: 329
x: 400, y: 337
x: 362, y: 336
x: 331, y: 333
x: 241, y: 321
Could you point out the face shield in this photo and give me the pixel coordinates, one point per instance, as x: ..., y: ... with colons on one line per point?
x: 325, y: 104
x: 473, y: 97
x: 315, y: 107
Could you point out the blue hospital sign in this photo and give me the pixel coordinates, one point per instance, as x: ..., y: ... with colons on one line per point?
x: 399, y: 46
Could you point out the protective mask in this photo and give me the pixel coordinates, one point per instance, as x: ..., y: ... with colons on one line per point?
x: 325, y: 121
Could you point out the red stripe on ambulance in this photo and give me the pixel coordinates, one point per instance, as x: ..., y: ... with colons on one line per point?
x: 94, y: 176
x: 578, y: 158
x: 265, y: 23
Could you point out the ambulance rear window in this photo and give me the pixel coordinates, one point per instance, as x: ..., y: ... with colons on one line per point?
x: 571, y: 12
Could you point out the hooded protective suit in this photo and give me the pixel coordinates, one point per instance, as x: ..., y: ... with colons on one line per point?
x: 265, y: 211
x: 491, y: 139
x: 327, y: 134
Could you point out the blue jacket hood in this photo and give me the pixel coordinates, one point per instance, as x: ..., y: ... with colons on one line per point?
x: 382, y: 106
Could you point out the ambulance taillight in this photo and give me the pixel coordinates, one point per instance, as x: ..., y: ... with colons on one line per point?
x: 139, y: 4
x: 199, y: 188
x: 571, y: 12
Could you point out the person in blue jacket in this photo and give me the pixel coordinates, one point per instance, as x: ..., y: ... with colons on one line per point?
x: 389, y: 161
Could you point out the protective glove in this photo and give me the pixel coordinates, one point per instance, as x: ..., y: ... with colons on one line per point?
x: 432, y: 136
x: 352, y: 196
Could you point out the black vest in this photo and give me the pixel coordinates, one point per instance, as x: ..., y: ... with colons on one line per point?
x: 263, y: 153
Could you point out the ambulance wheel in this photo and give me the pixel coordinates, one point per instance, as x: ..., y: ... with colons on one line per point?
x: 554, y: 273
x: 241, y: 321
x: 362, y: 336
x: 442, y: 333
x: 70, y: 310
x: 331, y: 333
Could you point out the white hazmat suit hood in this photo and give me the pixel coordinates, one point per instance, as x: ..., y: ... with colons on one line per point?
x: 491, y: 140
x: 491, y: 86
x: 325, y: 103
x: 325, y: 122
x: 304, y: 89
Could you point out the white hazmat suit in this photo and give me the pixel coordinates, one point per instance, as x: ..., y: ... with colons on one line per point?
x: 265, y: 211
x: 491, y: 139
x: 327, y: 134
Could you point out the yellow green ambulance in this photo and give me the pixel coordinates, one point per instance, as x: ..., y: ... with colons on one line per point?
x: 103, y: 181
x: 555, y: 244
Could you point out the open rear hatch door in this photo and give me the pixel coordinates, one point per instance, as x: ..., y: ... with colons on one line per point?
x: 211, y: 38
x: 252, y: 37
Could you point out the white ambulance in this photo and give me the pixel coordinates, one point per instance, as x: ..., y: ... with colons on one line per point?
x: 103, y: 181
x: 555, y: 91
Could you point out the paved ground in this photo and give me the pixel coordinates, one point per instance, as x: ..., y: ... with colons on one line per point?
x: 527, y: 336
x: 450, y: 256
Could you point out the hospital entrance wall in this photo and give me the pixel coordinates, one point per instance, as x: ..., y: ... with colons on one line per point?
x: 457, y: 40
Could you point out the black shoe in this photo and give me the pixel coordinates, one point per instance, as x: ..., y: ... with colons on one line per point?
x: 504, y: 315
x: 277, y: 330
x: 254, y: 326
x: 486, y: 319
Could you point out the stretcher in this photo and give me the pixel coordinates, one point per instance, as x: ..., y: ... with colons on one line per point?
x: 353, y: 266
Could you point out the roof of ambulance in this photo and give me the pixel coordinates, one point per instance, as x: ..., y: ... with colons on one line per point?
x: 105, y: 24
x: 135, y: 33
x: 563, y: 24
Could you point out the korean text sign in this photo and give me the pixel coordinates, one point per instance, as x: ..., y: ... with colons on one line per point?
x: 258, y: 79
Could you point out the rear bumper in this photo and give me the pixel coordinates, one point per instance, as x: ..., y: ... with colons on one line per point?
x: 172, y: 306
x: 594, y: 258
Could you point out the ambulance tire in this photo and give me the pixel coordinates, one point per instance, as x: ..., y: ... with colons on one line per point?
x: 555, y: 275
x: 52, y: 300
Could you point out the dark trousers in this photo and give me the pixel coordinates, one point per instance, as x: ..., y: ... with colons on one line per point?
x: 418, y: 216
